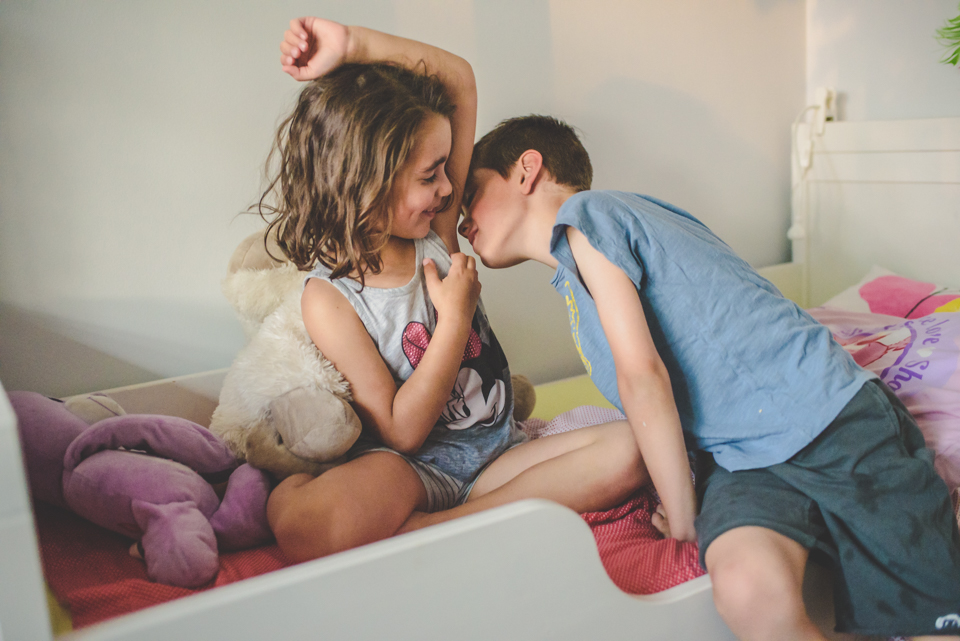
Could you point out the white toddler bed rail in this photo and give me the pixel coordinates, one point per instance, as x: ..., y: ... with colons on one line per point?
x: 528, y: 570
x: 525, y: 571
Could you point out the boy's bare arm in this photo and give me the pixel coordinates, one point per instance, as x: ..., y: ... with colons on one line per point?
x: 312, y: 46
x: 401, y: 418
x: 643, y: 383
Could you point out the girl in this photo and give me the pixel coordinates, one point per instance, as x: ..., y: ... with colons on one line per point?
x: 372, y: 166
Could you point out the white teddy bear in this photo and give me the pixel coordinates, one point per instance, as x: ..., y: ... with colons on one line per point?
x: 283, y: 407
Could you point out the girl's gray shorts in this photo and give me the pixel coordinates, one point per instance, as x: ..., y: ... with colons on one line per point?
x: 443, y: 490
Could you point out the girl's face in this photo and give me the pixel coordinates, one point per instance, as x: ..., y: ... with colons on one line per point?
x: 422, y: 184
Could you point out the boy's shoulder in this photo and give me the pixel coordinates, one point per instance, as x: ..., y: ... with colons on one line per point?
x: 611, y: 201
x: 595, y: 204
x: 629, y: 209
x: 601, y: 196
x: 598, y: 208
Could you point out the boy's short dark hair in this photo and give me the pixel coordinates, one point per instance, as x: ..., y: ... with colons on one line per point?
x: 563, y: 154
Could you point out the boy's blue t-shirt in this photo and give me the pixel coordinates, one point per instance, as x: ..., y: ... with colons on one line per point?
x: 755, y: 378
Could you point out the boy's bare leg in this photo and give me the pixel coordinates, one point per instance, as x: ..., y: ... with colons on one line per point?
x: 592, y: 468
x: 359, y: 502
x: 757, y: 577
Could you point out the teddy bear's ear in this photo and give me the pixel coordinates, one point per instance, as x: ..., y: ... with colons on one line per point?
x: 252, y: 253
x: 258, y: 279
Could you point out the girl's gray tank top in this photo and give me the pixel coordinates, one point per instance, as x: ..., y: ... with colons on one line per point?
x: 477, y: 423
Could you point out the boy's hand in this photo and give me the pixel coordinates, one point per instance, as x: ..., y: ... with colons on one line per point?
x: 312, y: 47
x: 456, y: 295
x: 660, y: 521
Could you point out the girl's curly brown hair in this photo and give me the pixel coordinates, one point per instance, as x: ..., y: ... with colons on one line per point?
x: 339, y: 152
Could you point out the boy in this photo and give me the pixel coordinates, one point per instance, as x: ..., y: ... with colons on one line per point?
x: 798, y: 448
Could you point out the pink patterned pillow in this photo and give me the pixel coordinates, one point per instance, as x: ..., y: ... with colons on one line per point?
x: 918, y: 359
x: 883, y: 292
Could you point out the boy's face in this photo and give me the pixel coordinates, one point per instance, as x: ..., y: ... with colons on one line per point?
x: 488, y: 218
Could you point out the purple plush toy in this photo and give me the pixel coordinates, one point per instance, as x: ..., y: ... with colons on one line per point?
x: 147, y: 477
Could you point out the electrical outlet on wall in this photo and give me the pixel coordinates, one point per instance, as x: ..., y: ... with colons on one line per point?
x: 826, y: 100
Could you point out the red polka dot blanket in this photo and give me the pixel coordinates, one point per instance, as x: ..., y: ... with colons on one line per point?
x: 91, y: 573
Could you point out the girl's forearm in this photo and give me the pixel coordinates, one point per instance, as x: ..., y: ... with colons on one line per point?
x: 421, y: 399
x: 368, y: 45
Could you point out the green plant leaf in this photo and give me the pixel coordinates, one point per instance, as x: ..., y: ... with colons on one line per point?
x: 949, y: 36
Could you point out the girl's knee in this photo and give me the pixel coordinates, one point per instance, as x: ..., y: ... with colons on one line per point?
x: 284, y: 495
x: 628, y: 472
x: 617, y: 469
x: 309, y: 525
x: 317, y: 532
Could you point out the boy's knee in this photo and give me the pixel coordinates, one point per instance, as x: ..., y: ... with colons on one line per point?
x: 736, y: 587
x: 755, y: 598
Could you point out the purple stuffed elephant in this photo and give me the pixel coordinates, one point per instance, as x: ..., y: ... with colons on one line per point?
x: 147, y: 477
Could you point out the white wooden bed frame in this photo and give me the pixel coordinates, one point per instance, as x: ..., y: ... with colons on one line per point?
x: 530, y: 570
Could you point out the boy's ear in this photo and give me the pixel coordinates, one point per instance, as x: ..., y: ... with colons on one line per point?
x: 530, y: 165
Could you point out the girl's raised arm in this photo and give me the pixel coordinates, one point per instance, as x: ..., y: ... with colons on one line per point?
x: 312, y: 47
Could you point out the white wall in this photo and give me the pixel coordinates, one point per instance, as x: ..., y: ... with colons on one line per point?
x: 131, y: 134
x: 882, y: 56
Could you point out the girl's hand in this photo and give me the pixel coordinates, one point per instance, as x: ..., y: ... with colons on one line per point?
x: 312, y: 47
x: 456, y: 295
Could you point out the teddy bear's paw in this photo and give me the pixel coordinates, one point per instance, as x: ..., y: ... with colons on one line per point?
x: 524, y: 397
x: 266, y: 451
x: 315, y: 424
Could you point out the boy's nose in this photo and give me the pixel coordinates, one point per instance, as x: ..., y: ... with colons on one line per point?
x: 464, y: 227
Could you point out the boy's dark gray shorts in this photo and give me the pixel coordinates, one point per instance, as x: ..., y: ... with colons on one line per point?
x: 865, y: 494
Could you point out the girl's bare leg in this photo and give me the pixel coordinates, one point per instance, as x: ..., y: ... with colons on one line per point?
x: 592, y: 468
x: 359, y: 502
